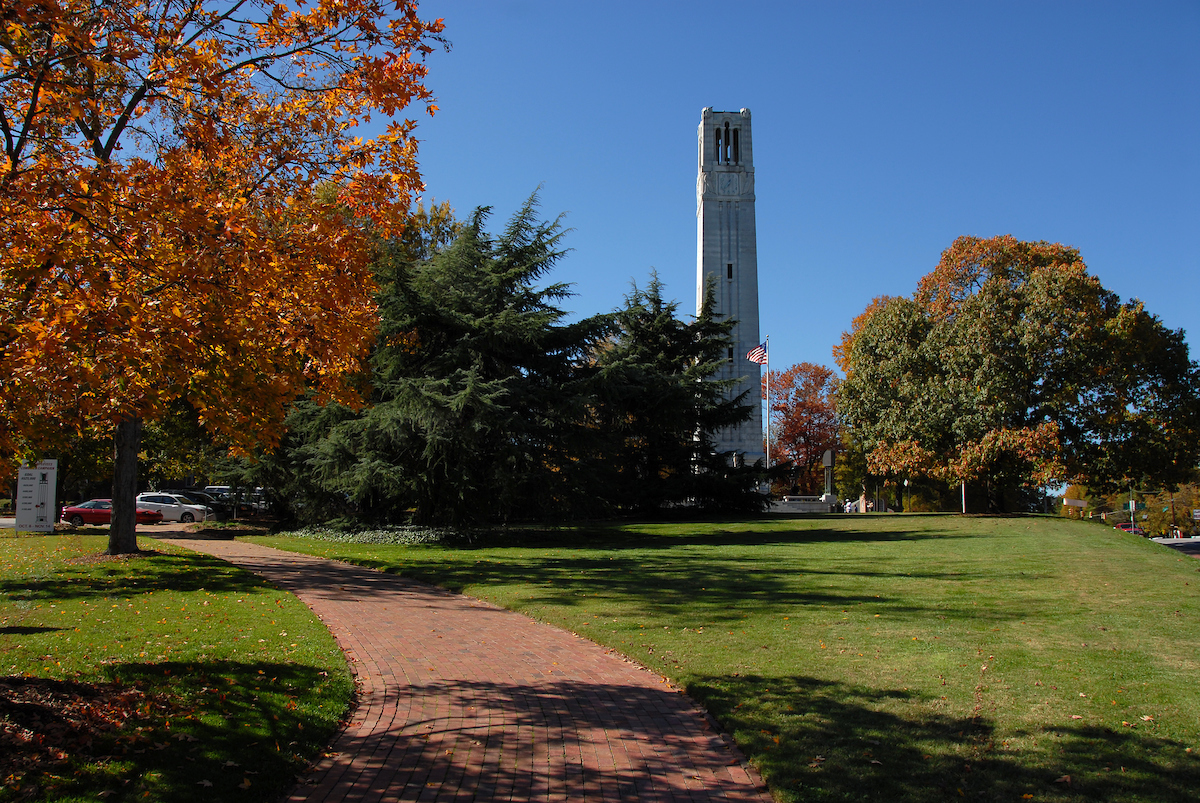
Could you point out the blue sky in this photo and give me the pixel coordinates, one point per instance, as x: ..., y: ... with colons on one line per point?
x: 882, y: 131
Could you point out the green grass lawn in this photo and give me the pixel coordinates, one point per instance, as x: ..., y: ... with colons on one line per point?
x: 885, y: 658
x: 169, y: 676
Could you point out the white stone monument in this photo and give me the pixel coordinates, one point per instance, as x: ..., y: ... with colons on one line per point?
x: 726, y: 251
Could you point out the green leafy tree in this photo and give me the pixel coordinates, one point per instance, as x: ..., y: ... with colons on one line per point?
x: 1012, y: 367
x: 178, y: 450
x: 85, y: 467
x: 1170, y: 511
x: 850, y: 473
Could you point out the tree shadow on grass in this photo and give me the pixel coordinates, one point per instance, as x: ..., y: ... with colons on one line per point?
x: 713, y: 589
x: 821, y: 740
x: 709, y: 533
x: 145, y: 573
x: 19, y: 630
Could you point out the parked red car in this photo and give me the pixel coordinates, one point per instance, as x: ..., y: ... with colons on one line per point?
x: 99, y: 511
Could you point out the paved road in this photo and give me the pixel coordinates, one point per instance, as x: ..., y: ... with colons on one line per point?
x: 460, y: 700
x: 1188, y: 546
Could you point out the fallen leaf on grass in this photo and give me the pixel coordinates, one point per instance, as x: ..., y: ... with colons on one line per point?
x: 1076, y: 716
x: 205, y: 783
x: 1147, y: 719
x: 1063, y: 779
x: 245, y: 784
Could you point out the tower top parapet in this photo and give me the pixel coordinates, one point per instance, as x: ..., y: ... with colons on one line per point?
x: 724, y: 139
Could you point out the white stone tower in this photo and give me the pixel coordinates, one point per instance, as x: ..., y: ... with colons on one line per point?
x: 727, y: 253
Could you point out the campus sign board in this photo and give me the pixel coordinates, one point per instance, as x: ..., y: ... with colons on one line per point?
x: 36, y: 497
x: 1074, y: 503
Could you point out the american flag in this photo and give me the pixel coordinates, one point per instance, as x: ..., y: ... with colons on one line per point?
x: 758, y: 354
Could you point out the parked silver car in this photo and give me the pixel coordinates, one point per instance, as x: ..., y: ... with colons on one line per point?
x: 175, y: 508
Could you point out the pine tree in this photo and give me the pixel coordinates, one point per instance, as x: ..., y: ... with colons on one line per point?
x: 476, y: 384
x: 660, y: 407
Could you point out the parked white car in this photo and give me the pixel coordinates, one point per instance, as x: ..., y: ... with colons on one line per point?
x: 174, y: 508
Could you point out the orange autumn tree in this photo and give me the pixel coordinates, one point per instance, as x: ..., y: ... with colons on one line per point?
x: 803, y: 420
x: 186, y: 210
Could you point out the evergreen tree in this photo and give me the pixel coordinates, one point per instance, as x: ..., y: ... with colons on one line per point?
x: 477, y: 385
x: 485, y: 405
x: 660, y: 407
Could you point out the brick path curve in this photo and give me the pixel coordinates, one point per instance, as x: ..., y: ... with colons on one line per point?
x: 460, y: 700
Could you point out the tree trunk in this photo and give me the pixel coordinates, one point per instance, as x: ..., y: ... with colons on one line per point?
x: 122, y: 532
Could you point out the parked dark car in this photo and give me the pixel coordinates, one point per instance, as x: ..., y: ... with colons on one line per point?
x: 248, y: 501
x: 99, y: 511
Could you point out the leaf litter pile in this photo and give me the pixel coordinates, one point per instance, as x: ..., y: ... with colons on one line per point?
x: 46, y: 725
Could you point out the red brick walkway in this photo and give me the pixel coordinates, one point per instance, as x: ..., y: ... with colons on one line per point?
x: 462, y: 701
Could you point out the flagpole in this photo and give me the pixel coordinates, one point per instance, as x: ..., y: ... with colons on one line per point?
x: 767, y: 343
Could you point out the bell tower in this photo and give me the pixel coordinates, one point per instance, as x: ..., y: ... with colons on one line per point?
x: 727, y: 254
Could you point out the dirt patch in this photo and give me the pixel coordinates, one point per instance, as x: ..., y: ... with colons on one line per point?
x: 203, y: 532
x: 87, y: 560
